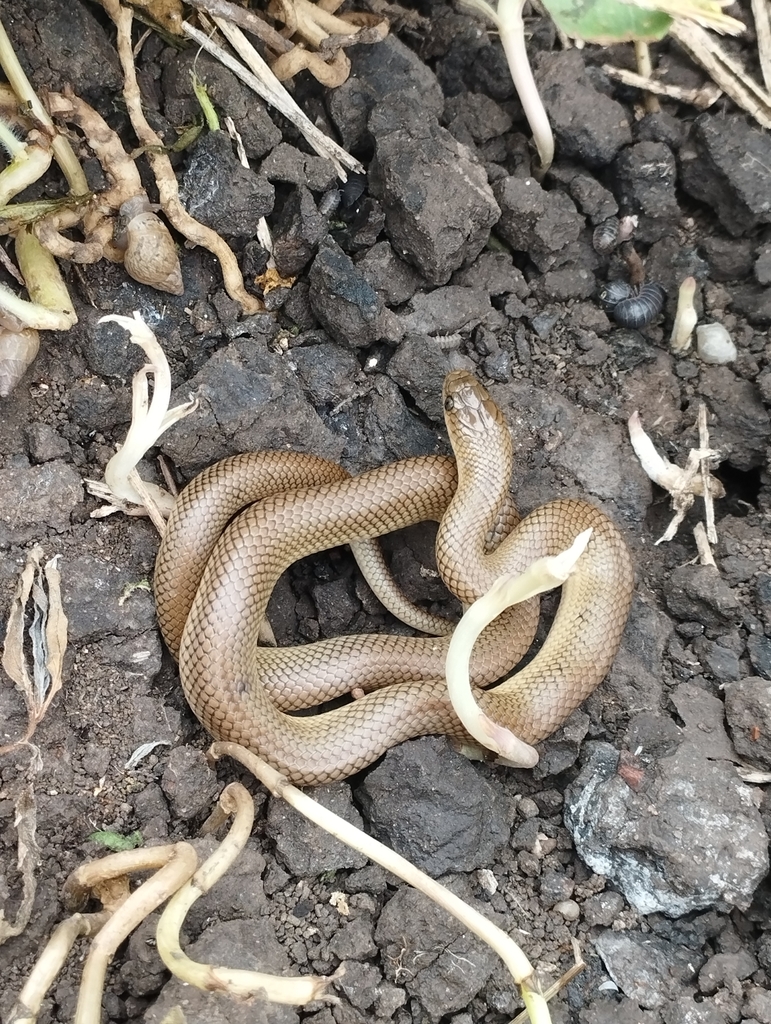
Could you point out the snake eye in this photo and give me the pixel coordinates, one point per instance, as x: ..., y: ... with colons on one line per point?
x: 448, y: 404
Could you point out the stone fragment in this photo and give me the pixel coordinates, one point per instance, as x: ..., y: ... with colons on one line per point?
x: 303, y: 847
x: 568, y: 93
x: 227, y: 92
x: 220, y: 192
x: 250, y: 399
x: 189, y: 783
x: 344, y: 302
x: 381, y: 73
x: 290, y: 165
x: 432, y: 806
x: 439, y: 206
x: 542, y: 224
x: 680, y: 831
x: 297, y: 232
x: 435, y: 946
x: 646, y: 174
x: 393, y: 279
x: 495, y: 273
x: 737, y: 190
x: 698, y: 593
x: 638, y: 668
x: 723, y: 968
x: 748, y: 711
x: 649, y: 970
x: 477, y: 116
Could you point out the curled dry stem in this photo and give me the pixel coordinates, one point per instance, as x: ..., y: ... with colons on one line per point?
x: 295, y: 991
x: 515, y: 960
x: 50, y: 962
x: 149, y: 419
x: 683, y: 485
x: 544, y: 574
x: 180, y: 864
x: 168, y: 190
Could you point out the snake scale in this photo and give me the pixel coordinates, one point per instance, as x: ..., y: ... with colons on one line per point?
x: 215, y: 573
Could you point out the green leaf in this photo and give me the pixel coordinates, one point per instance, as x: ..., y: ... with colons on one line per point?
x: 607, y: 21
x: 116, y: 842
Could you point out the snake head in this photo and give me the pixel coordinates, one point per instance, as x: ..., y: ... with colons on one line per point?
x: 468, y: 405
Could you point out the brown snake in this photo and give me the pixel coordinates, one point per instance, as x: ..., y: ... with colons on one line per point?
x: 213, y: 582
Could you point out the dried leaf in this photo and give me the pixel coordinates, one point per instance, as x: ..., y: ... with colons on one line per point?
x: 28, y: 860
x: 47, y: 637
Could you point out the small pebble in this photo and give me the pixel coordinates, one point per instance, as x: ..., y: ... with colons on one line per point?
x: 527, y: 808
x: 714, y: 344
x: 569, y: 909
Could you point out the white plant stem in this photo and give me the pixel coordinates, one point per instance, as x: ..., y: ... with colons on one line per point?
x: 544, y: 574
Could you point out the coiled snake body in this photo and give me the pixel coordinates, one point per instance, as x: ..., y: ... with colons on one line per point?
x: 213, y: 580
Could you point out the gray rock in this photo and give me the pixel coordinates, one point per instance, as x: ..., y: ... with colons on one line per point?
x: 242, y: 389
x: 344, y: 302
x: 383, y: 73
x: 573, y: 281
x: 686, y: 1010
x: 303, y: 847
x: 220, y: 192
x: 703, y: 846
x: 475, y: 116
x: 759, y: 650
x: 737, y: 190
x: 748, y: 711
x: 594, y: 200
x: 439, y: 206
x: 448, y: 310
x: 360, y: 984
x: 730, y: 259
x: 419, y: 364
x: 354, y: 941
x: 757, y: 1004
x: 495, y: 273
x: 723, y: 968
x: 432, y: 951
x: 297, y: 232
x: 432, y: 806
x: 648, y: 970
x: 603, y: 909
x: 635, y: 679
x: 336, y: 607
x: 249, y: 945
x: 288, y: 164
x: 35, y: 497
x: 567, y: 94
x: 646, y: 174
x: 543, y: 224
x: 719, y: 661
x: 697, y: 593
x: 742, y: 427
x: 44, y: 443
x: 394, y: 280
x: 189, y: 783
x: 763, y: 598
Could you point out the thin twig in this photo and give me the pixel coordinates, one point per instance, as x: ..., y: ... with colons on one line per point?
x: 706, y: 476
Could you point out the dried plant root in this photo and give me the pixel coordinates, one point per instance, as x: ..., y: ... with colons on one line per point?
x: 515, y: 960
x: 168, y: 190
x: 50, y: 962
x: 294, y: 991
